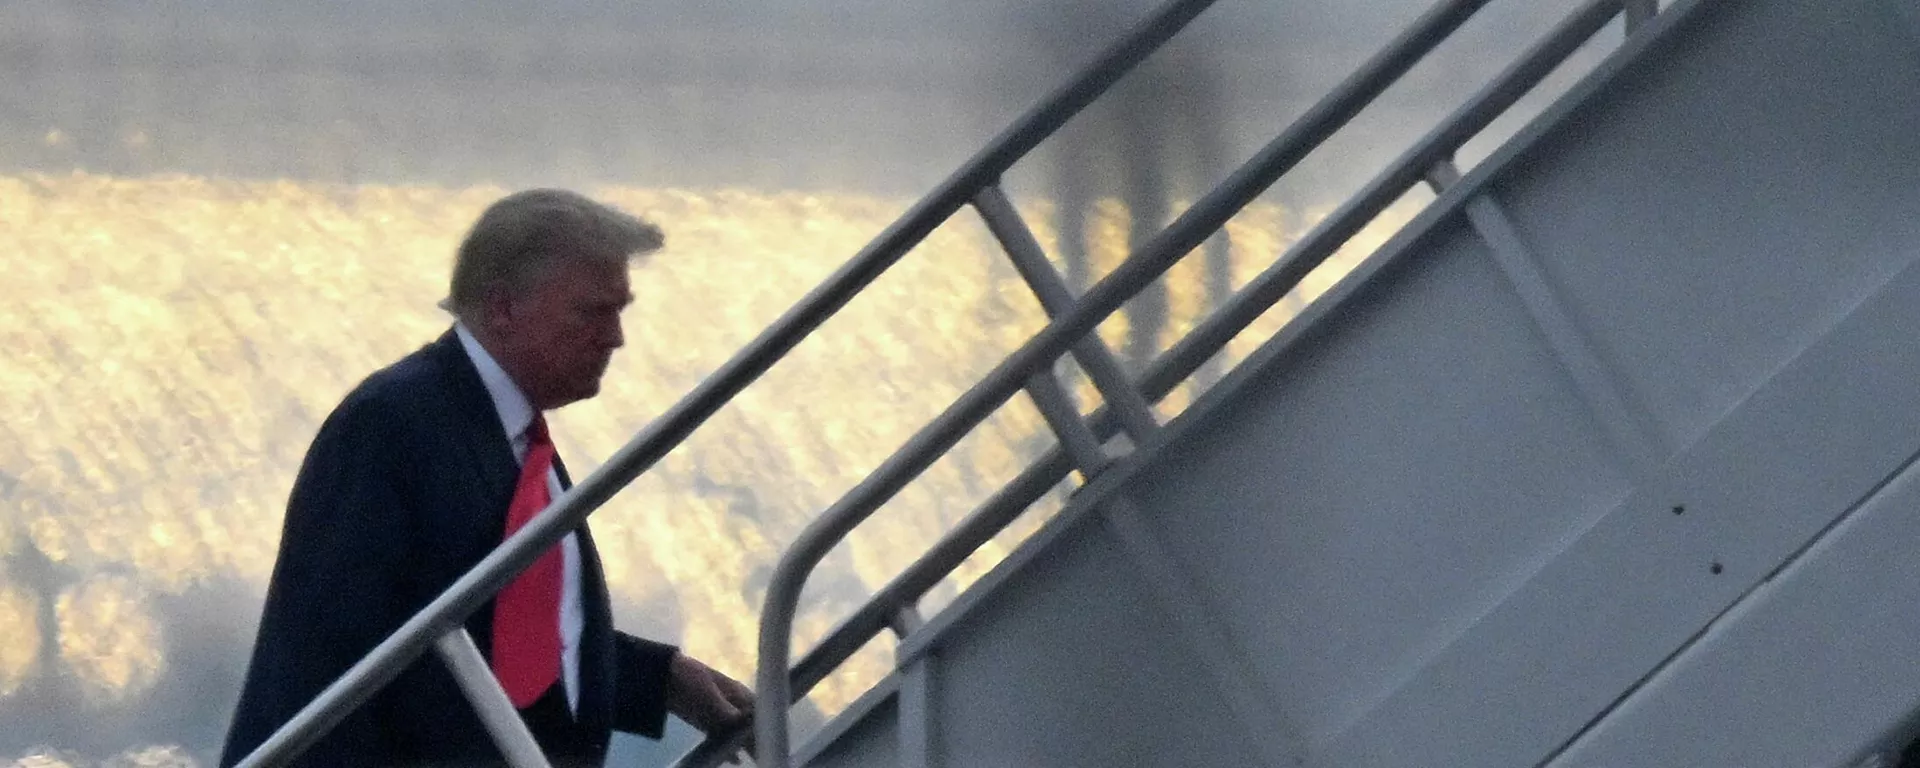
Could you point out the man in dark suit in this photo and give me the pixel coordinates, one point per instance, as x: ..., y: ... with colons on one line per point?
x: 425, y: 468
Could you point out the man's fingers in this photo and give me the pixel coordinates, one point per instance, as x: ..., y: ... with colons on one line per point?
x: 707, y: 699
x: 725, y: 710
x: 740, y: 695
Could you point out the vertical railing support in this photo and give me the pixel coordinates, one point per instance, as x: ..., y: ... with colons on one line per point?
x: 1003, y: 220
x: 489, y: 700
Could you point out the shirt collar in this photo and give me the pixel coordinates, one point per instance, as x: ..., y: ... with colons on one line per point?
x: 509, y: 403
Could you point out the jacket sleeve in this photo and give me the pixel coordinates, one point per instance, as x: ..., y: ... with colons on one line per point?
x: 336, y: 586
x: 641, y: 685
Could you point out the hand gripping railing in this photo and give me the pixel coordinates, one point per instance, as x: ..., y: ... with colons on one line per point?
x: 440, y: 621
x: 1072, y: 325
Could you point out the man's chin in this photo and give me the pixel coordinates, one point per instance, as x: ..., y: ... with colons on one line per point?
x: 582, y: 392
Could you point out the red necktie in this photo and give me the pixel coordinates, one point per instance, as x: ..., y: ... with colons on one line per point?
x: 526, y: 615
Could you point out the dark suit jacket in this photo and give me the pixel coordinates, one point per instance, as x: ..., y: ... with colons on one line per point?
x: 405, y: 488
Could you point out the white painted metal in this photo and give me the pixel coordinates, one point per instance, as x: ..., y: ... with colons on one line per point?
x: 1103, y: 369
x: 915, y: 713
x: 1056, y: 406
x: 775, y: 680
x: 1629, y: 426
x: 1198, y: 624
x: 385, y: 662
x: 1705, y: 237
x: 1411, y: 518
x: 1815, y: 667
x: 489, y: 700
x: 1190, y: 611
x: 1079, y: 666
x: 865, y: 735
x: 906, y: 621
x: 1579, y: 630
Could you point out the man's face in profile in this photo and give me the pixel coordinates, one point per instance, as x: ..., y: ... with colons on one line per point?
x: 560, y: 335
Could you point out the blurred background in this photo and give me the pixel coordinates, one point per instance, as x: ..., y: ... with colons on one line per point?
x: 216, y: 216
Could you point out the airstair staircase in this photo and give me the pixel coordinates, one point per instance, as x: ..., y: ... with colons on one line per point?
x: 1605, y: 459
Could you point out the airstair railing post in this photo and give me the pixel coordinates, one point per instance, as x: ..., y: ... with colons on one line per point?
x: 1149, y: 262
x: 906, y: 621
x: 1057, y: 408
x: 385, y: 662
x: 1178, y: 363
x: 1004, y: 222
x: 1442, y: 176
x: 1430, y: 160
x: 1259, y: 294
x: 489, y: 700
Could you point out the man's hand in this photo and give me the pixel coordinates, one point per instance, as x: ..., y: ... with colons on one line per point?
x: 706, y: 699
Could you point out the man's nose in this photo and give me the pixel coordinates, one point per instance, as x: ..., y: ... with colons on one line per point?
x: 616, y: 335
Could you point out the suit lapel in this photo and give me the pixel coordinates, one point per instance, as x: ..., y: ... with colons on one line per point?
x: 476, y: 430
x: 596, y: 641
x: 596, y: 637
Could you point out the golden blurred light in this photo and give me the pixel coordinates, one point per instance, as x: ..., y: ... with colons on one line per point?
x: 109, y: 638
x: 174, y: 342
x: 46, y: 757
x: 49, y: 535
x: 20, y: 644
x: 152, y: 757
x: 139, y: 757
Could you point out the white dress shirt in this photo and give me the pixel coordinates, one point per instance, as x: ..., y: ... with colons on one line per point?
x: 516, y: 415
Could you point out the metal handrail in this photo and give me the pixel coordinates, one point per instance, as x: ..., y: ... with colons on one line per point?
x: 1406, y: 171
x: 1102, y: 368
x: 1186, y: 357
x: 1147, y: 263
x: 667, y: 432
x: 504, y: 563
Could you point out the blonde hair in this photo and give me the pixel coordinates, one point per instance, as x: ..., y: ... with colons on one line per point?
x: 520, y: 236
